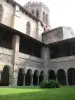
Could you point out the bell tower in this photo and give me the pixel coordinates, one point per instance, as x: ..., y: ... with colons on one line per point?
x: 41, y: 11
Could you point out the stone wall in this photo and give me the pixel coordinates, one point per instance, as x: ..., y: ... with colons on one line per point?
x: 17, y: 19
x: 25, y: 61
x: 8, y: 10
x: 58, y: 34
x: 53, y: 35
x: 30, y: 62
x: 5, y: 57
x: 62, y: 63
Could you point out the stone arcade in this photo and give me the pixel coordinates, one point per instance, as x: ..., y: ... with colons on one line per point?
x: 31, y: 53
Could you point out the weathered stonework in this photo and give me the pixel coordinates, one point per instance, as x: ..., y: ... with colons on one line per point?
x: 15, y: 16
x: 57, y: 34
x: 62, y: 63
x: 30, y: 62
x: 5, y: 57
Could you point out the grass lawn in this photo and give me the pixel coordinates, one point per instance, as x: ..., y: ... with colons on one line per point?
x: 25, y: 93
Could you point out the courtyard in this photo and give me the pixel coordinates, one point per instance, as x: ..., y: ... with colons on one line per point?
x: 35, y: 93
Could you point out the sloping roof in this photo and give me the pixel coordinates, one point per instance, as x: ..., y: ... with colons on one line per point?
x: 16, y: 32
x: 24, y: 10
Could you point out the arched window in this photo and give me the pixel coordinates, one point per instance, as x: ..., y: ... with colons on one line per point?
x: 28, y: 77
x: 51, y: 75
x: 20, y: 77
x: 32, y: 11
x: 46, y: 18
x: 28, y: 28
x: 5, y: 76
x: 35, y: 78
x: 37, y: 14
x: 61, y: 76
x: 1, y: 10
x: 43, y: 16
x: 71, y: 76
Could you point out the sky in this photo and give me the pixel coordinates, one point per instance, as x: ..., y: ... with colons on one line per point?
x: 62, y: 12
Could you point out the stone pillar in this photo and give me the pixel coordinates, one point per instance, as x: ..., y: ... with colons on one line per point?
x: 45, y: 55
x: 10, y: 77
x: 24, y: 80
x: 38, y: 79
x: 66, y: 78
x: 57, y: 78
x: 0, y: 75
x: 32, y: 80
x: 15, y: 58
x: 46, y: 77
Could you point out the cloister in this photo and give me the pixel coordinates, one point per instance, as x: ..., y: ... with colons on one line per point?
x: 29, y: 78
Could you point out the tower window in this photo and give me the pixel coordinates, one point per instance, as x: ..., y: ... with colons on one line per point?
x: 1, y: 10
x: 43, y: 16
x: 37, y: 14
x: 32, y: 11
x: 28, y: 28
x: 46, y: 18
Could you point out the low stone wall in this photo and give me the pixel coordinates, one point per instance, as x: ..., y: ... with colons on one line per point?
x: 5, y: 57
x: 58, y: 34
x: 30, y: 62
x: 62, y: 63
x: 25, y: 61
x: 53, y: 35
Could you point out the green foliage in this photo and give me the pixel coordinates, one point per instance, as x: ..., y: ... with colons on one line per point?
x: 49, y: 84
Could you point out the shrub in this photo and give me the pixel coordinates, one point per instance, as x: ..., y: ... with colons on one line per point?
x: 43, y: 84
x: 49, y: 84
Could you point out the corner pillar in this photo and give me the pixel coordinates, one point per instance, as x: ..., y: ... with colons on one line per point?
x: 45, y: 55
x: 15, y: 58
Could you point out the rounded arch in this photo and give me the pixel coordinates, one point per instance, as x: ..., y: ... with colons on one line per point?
x: 61, y: 76
x: 28, y: 28
x: 51, y: 75
x: 41, y: 77
x: 35, y: 77
x: 71, y: 76
x: 20, y: 77
x: 37, y: 13
x: 28, y: 77
x: 5, y: 76
x: 1, y: 12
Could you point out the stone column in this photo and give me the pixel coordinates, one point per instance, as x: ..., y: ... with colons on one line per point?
x: 38, y: 79
x: 66, y: 78
x: 0, y: 75
x: 45, y: 55
x: 15, y: 58
x: 24, y: 80
x: 46, y: 77
x: 57, y: 78
x: 32, y: 80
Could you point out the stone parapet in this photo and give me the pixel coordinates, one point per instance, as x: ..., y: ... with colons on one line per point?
x: 5, y: 51
x: 63, y: 59
x: 57, y: 34
x: 30, y: 58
